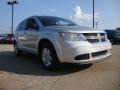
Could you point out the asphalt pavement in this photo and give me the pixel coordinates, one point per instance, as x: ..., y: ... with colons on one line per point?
x: 27, y: 73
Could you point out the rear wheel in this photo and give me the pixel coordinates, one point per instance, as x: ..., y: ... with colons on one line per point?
x: 48, y: 56
x: 17, y: 51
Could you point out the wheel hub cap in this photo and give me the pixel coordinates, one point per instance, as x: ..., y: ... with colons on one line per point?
x: 46, y: 56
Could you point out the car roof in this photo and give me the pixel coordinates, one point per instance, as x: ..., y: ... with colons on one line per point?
x: 46, y: 17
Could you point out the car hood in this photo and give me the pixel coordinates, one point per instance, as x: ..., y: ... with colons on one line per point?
x: 78, y: 29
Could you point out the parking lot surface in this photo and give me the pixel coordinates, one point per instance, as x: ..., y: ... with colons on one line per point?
x: 26, y: 73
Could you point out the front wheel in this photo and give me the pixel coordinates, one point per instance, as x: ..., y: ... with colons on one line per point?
x: 48, y: 56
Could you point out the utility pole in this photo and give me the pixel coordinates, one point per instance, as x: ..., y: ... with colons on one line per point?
x: 12, y: 2
x: 93, y: 14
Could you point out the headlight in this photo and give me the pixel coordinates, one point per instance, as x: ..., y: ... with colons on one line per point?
x: 70, y: 36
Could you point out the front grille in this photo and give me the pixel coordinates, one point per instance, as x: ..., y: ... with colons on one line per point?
x: 95, y: 54
x: 93, y: 40
x: 90, y: 34
x: 95, y: 37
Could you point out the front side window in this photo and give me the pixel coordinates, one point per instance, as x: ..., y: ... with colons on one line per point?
x: 32, y: 25
x: 55, y: 21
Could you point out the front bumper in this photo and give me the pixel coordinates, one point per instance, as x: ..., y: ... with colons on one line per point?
x: 70, y: 50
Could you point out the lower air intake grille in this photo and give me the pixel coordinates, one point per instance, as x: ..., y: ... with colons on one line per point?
x: 99, y: 53
x: 82, y: 57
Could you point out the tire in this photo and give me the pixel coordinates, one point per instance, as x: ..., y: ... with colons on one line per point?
x: 48, y: 56
x: 17, y: 52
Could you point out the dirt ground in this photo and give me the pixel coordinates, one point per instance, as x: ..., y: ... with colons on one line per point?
x: 26, y: 73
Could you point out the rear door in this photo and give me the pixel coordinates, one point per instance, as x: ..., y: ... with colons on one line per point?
x: 20, y: 35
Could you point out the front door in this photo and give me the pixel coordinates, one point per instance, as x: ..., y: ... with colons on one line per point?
x: 32, y: 33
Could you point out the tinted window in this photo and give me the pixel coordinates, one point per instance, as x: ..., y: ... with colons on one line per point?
x: 55, y: 21
x: 32, y: 25
x: 22, y: 26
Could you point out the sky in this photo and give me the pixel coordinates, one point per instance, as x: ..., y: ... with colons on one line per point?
x: 107, y: 13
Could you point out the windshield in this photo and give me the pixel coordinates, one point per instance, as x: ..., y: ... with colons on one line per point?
x: 55, y: 21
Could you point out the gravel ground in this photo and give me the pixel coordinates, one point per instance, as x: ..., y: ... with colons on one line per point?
x: 26, y: 73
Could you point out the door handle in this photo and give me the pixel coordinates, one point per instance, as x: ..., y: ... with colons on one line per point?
x: 24, y: 33
x: 22, y: 37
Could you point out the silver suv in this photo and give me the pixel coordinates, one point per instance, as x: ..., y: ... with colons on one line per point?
x: 57, y: 40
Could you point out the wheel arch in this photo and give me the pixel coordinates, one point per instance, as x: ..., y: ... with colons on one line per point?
x: 42, y: 41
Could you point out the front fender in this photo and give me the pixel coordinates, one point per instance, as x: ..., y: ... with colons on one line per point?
x: 54, y: 39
